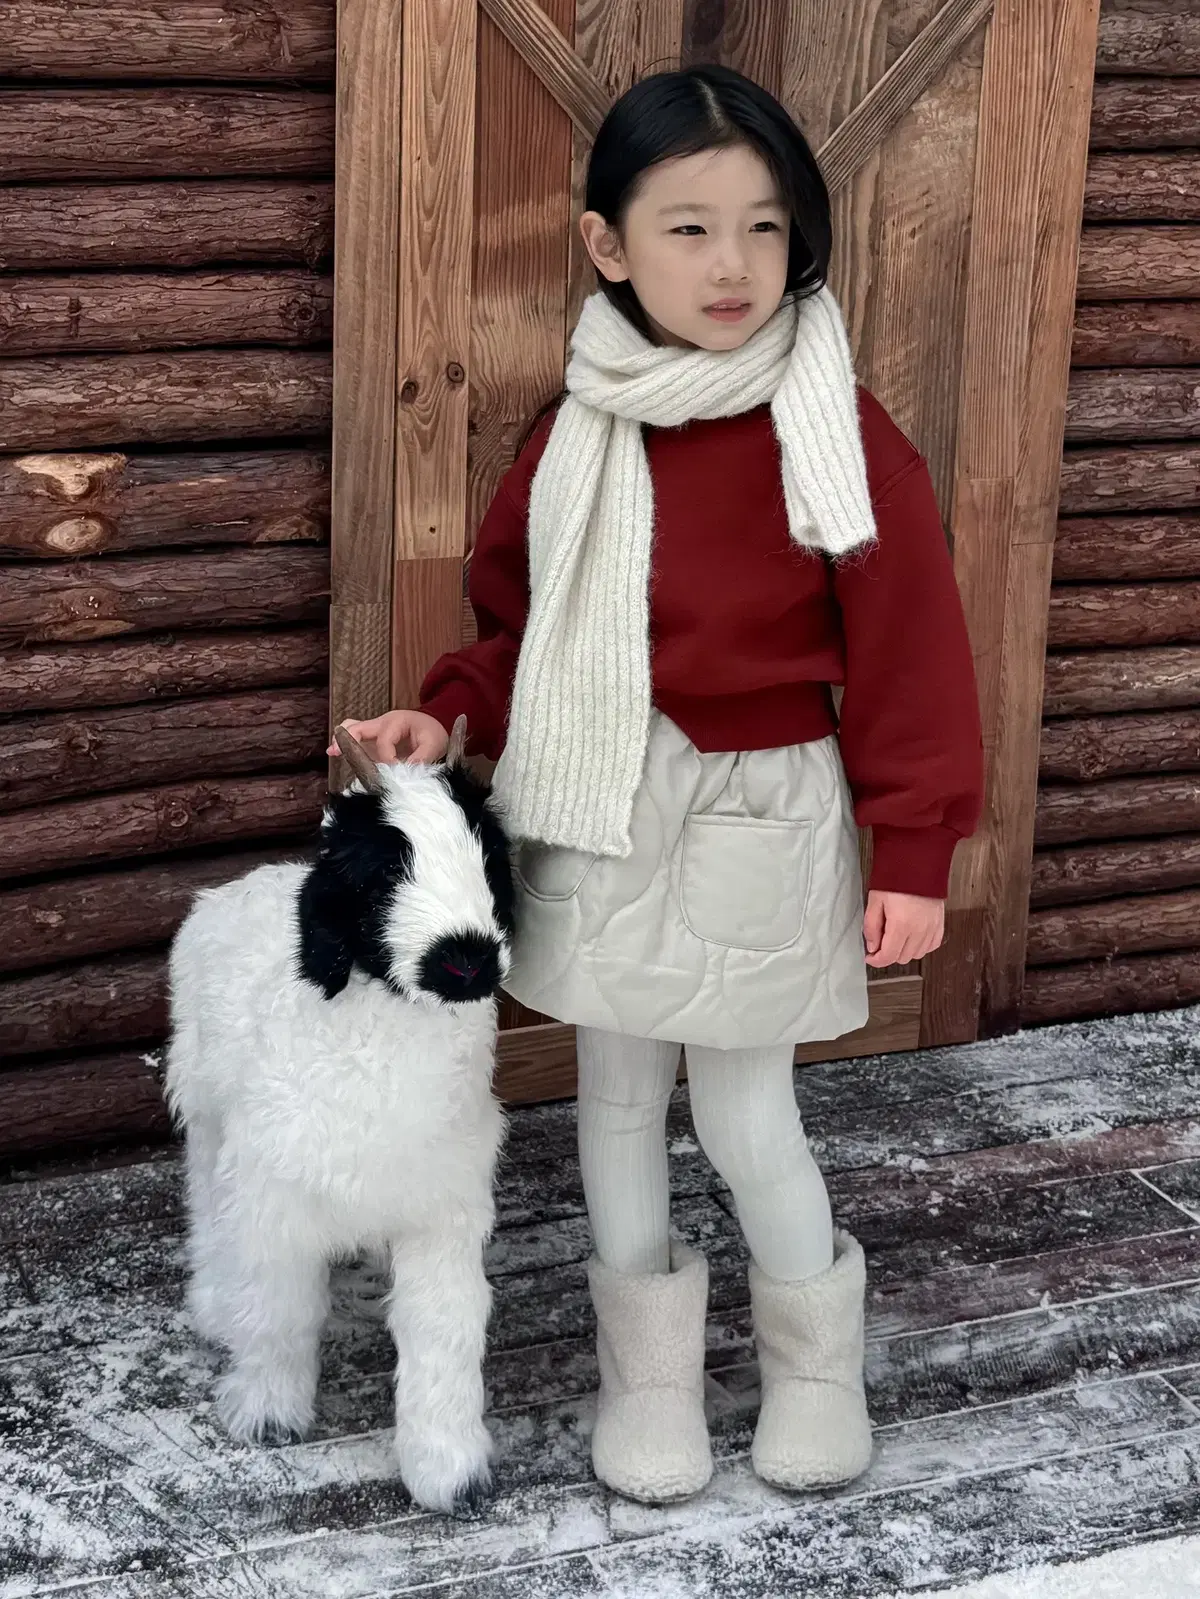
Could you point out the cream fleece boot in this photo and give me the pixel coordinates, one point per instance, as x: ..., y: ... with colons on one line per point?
x: 813, y: 1429
x: 651, y: 1438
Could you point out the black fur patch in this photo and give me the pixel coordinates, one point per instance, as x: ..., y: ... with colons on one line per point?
x: 346, y: 896
x: 473, y: 799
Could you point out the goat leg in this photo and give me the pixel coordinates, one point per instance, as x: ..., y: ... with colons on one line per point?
x: 276, y: 1300
x: 206, y: 1275
x: 437, y: 1313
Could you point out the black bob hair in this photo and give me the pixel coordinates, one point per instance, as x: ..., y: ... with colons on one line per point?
x: 673, y: 114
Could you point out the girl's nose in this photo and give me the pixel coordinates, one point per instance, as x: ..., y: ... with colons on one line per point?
x: 732, y: 266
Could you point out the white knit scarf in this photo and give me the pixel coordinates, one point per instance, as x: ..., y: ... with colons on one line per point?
x: 579, y: 720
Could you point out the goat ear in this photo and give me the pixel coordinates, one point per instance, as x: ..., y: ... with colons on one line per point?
x: 458, y: 742
x: 325, y: 953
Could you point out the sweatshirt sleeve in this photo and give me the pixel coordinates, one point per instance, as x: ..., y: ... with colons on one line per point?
x: 476, y: 681
x: 909, y: 724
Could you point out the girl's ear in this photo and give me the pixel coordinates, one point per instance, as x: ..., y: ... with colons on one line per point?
x: 325, y: 953
x: 603, y: 244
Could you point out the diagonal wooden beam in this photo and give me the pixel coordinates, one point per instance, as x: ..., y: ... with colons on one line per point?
x: 534, y: 37
x: 901, y: 86
x: 586, y: 99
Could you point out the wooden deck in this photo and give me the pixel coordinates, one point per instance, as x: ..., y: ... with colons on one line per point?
x: 1031, y: 1213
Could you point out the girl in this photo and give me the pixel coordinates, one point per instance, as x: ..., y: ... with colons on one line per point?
x: 711, y: 529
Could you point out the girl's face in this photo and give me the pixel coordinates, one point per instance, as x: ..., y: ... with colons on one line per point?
x: 704, y: 244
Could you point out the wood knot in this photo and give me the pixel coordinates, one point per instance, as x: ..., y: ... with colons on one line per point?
x: 409, y: 392
x: 300, y: 314
x: 82, y: 741
x: 70, y: 477
x: 455, y: 372
x: 77, y: 535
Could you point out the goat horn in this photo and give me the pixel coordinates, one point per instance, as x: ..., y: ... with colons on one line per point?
x: 458, y: 742
x: 359, y: 762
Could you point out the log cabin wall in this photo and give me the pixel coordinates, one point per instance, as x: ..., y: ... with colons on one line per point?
x: 1114, y: 922
x: 166, y: 239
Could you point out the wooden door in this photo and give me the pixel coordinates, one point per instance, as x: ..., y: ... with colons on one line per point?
x: 952, y: 134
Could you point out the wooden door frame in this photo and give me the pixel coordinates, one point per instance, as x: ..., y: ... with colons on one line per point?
x: 1030, y: 169
x: 406, y: 109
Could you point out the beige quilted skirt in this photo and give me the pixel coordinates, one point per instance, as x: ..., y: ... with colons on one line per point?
x: 735, y: 922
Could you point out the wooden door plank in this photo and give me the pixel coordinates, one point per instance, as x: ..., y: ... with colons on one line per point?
x: 539, y: 40
x: 519, y: 272
x: 754, y: 39
x: 747, y: 35
x: 1032, y: 154
x: 364, y: 356
x: 890, y: 100
x: 915, y: 259
x: 437, y: 148
x: 832, y: 56
x: 621, y: 41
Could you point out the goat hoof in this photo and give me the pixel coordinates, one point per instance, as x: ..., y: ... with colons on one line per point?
x: 472, y: 1500
x: 277, y: 1435
x: 447, y: 1473
x: 254, y: 1416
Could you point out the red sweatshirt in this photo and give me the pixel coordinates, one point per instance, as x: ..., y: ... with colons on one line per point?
x: 748, y: 631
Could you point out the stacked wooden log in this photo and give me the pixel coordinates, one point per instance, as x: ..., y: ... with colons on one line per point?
x: 1115, y: 910
x: 165, y: 326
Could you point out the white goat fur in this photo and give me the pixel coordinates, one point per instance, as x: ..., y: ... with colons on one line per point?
x: 319, y: 1127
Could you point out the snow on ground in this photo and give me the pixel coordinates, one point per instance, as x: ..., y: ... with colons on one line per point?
x: 1166, y: 1570
x: 1030, y: 1209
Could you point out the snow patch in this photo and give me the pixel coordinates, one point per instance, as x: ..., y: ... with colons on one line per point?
x: 1166, y: 1570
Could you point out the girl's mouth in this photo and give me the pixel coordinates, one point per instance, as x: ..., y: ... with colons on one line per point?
x: 728, y: 310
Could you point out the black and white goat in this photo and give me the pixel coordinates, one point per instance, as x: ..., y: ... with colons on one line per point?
x: 331, y: 1063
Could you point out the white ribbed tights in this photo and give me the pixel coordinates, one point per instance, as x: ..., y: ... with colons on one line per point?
x: 748, y: 1124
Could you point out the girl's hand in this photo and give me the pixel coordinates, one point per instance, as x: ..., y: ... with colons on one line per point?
x: 382, y: 737
x: 901, y: 927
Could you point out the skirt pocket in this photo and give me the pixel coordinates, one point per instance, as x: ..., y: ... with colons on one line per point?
x: 744, y: 883
x: 551, y: 872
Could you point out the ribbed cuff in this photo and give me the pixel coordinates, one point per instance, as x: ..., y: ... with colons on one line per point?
x: 912, y: 860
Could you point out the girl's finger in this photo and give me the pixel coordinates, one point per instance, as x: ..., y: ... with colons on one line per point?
x: 354, y: 730
x: 883, y: 955
x: 873, y: 925
x: 894, y: 942
x: 425, y: 748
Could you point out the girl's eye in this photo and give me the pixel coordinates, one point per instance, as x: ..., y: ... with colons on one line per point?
x: 692, y: 229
